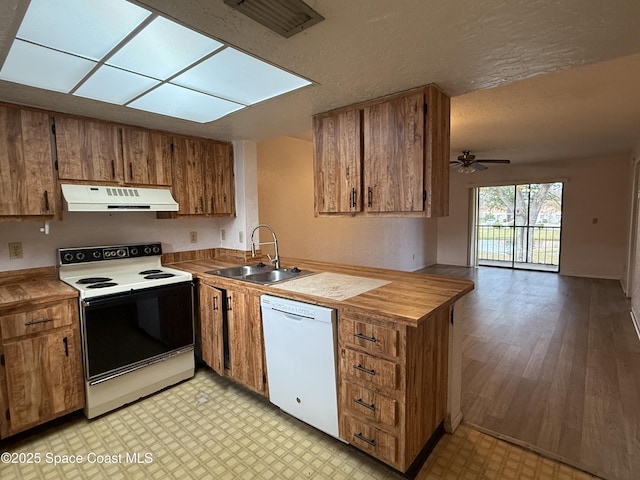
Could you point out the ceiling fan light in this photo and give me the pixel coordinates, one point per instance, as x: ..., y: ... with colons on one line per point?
x: 466, y: 169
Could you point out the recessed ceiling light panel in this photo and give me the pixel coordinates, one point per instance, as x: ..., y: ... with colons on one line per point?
x: 88, y: 28
x: 113, y: 85
x: 179, y: 102
x: 42, y: 67
x: 162, y: 49
x: 239, y: 77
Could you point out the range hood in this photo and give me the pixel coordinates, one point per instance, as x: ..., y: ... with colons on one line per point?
x: 91, y: 198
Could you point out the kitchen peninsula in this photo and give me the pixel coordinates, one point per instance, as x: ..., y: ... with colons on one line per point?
x: 396, y: 324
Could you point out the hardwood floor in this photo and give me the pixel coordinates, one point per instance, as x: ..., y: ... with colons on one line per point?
x: 553, y: 363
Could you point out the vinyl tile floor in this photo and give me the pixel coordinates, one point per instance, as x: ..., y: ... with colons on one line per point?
x: 210, y: 428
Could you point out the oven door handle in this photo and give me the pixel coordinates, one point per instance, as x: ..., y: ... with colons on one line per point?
x: 110, y: 299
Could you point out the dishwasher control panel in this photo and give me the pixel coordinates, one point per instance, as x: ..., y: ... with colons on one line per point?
x: 288, y: 306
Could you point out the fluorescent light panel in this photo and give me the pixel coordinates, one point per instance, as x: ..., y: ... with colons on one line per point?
x: 59, y: 43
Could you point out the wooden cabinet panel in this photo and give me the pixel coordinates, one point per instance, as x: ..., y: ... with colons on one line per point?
x: 373, y: 370
x: 44, y: 377
x: 211, y: 334
x: 394, y: 155
x: 88, y: 150
x: 36, y: 321
x: 147, y: 157
x: 246, y: 344
x: 27, y: 180
x: 337, y: 143
x: 373, y: 338
x: 220, y: 180
x: 376, y: 442
x: 373, y: 406
x: 190, y: 158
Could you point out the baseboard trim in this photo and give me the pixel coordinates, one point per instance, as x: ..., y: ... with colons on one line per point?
x: 636, y: 324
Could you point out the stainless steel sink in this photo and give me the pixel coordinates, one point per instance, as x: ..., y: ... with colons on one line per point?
x: 264, y: 275
x: 239, y: 272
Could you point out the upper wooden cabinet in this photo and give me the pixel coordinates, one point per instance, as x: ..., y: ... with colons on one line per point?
x: 388, y: 156
x: 203, y: 179
x: 147, y: 156
x: 338, y: 162
x: 88, y: 150
x: 27, y: 179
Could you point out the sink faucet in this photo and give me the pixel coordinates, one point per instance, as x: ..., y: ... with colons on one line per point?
x: 276, y: 260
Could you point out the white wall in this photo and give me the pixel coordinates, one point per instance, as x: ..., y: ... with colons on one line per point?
x: 285, y: 191
x: 595, y: 188
x: 79, y: 229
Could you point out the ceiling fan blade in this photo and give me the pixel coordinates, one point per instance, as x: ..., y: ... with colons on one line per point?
x: 455, y: 162
x: 488, y: 160
x: 478, y: 166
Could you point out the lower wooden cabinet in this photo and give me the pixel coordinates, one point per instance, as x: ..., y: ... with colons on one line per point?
x: 393, y: 385
x: 41, y: 366
x: 231, y: 335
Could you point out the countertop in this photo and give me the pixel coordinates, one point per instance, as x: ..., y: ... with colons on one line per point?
x: 404, y: 297
x: 32, y: 291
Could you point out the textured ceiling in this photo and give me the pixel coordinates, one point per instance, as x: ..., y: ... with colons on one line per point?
x: 530, y: 80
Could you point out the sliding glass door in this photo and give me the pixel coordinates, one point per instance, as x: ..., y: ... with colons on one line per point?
x: 519, y: 226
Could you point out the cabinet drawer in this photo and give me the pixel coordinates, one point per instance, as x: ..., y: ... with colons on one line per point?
x: 373, y: 441
x: 377, y: 371
x: 40, y: 320
x: 367, y: 403
x: 373, y: 338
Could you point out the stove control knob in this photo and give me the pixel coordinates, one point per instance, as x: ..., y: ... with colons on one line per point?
x: 68, y: 257
x: 156, y: 249
x: 147, y: 250
x: 80, y: 256
x: 134, y: 251
x: 121, y: 253
x: 97, y: 254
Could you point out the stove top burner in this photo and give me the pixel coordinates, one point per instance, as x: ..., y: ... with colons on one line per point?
x: 156, y: 276
x: 84, y: 281
x: 149, y: 272
x: 102, y: 285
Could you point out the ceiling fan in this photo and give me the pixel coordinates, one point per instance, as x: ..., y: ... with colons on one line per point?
x: 467, y: 162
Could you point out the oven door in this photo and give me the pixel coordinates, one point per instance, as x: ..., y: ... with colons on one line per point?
x: 127, y: 331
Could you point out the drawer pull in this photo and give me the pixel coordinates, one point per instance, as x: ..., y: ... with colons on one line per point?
x: 359, y: 436
x: 35, y: 322
x: 370, y: 406
x: 362, y: 336
x: 65, y: 340
x: 365, y: 370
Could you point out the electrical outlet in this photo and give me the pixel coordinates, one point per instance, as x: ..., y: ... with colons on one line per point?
x: 15, y: 250
x: 194, y: 237
x: 223, y: 234
x: 241, y: 236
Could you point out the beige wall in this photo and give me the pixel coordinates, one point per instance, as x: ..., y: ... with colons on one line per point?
x: 595, y: 188
x: 285, y: 194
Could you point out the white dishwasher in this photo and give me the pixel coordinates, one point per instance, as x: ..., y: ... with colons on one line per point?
x: 300, y: 347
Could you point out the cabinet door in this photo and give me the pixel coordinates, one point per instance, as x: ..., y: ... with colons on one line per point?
x: 394, y: 155
x: 190, y: 158
x: 246, y: 345
x: 88, y: 150
x: 44, y: 377
x: 211, y: 334
x: 220, y: 180
x: 26, y: 163
x: 337, y: 149
x: 147, y: 157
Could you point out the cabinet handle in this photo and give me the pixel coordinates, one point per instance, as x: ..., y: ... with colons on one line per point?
x: 130, y: 171
x: 46, y: 201
x: 362, y: 336
x: 212, y: 207
x: 369, y: 197
x: 354, y: 197
x: 365, y: 370
x: 229, y: 303
x: 359, y: 436
x: 201, y: 204
x: 113, y: 169
x: 35, y: 322
x: 215, y: 303
x: 66, y: 346
x: 364, y: 404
